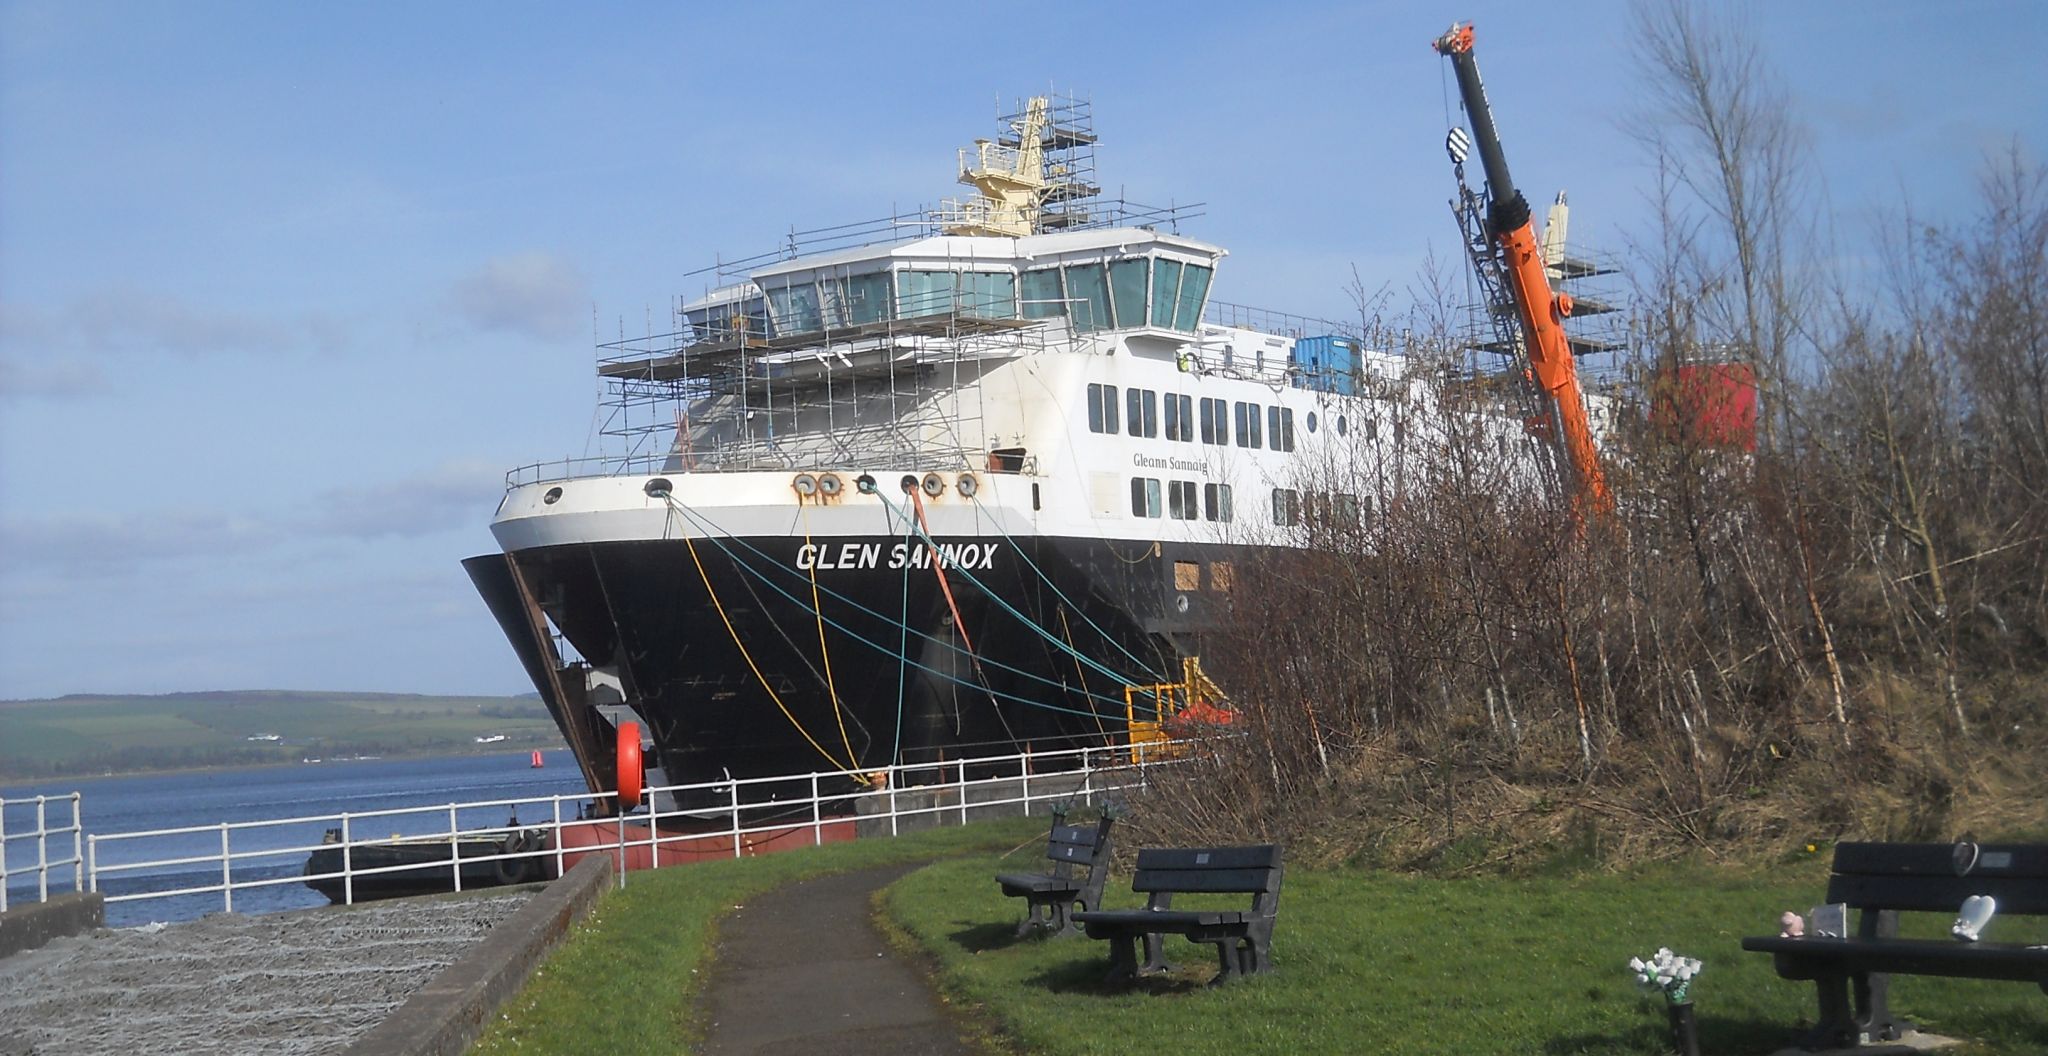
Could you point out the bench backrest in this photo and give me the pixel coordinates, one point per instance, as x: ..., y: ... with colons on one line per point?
x: 1079, y: 847
x: 1211, y: 870
x: 1936, y: 877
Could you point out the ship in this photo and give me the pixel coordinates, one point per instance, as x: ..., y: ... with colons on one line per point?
x: 972, y: 481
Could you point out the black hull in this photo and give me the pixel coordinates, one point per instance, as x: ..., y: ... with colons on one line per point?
x: 666, y: 620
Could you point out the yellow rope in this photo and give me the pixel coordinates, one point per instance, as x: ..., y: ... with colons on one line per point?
x: 729, y: 629
x: 1068, y: 633
x: 831, y: 688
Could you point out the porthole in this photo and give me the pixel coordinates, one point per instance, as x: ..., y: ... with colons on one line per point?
x: 909, y: 483
x: 934, y: 484
x: 967, y: 485
x: 1311, y: 421
x: 1180, y: 603
x: 866, y: 483
x: 805, y: 485
x: 829, y: 485
x: 1342, y: 425
x: 553, y: 496
x: 659, y: 488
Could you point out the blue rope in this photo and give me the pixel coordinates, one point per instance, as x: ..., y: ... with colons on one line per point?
x: 901, y: 654
x: 1057, y: 592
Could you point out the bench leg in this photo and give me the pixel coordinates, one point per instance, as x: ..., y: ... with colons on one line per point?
x: 1155, y: 954
x: 1872, y: 993
x: 1062, y: 923
x: 1123, y: 959
x: 1837, y: 1025
x: 1033, y: 917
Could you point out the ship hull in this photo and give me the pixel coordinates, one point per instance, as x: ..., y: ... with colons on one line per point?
x: 753, y: 657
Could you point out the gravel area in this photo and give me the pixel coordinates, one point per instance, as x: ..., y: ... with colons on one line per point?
x: 284, y: 983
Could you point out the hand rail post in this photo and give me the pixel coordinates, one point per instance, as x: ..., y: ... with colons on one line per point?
x: 893, y: 782
x: 77, y: 851
x: 1024, y: 774
x: 653, y: 831
x: 3, y: 854
x: 734, y: 787
x: 92, y: 868
x: 348, y: 867
x: 558, y: 837
x: 960, y: 776
x: 42, y: 851
x: 817, y: 814
x: 227, y: 875
x: 454, y: 848
x: 622, y: 839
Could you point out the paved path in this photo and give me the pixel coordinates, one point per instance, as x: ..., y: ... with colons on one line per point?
x: 803, y: 970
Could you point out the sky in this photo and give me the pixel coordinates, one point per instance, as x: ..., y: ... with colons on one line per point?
x: 285, y: 289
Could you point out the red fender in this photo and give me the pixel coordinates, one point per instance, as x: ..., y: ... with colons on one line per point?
x: 630, y: 772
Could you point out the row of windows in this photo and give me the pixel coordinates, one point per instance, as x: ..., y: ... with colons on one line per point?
x: 1145, y: 291
x: 1180, y: 500
x: 1258, y: 425
x: 1126, y: 294
x: 1327, y: 509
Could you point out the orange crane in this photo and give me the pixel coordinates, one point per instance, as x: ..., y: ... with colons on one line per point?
x: 1540, y: 311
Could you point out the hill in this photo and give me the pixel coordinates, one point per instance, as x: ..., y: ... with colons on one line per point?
x: 93, y: 734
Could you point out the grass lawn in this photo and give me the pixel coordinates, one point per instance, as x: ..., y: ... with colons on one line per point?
x: 1370, y: 962
x: 627, y: 979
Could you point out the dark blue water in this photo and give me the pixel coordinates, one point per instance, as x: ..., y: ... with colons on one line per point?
x: 317, y: 792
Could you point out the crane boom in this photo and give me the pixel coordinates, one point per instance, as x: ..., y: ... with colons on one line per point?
x: 1540, y: 311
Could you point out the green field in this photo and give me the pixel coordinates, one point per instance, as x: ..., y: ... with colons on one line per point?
x: 1366, y: 961
x: 83, y: 735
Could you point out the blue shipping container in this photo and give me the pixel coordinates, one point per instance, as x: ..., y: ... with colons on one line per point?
x: 1326, y: 364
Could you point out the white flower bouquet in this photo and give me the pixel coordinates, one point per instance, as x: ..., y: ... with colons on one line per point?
x: 1668, y: 973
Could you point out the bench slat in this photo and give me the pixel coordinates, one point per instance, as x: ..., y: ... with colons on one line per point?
x: 1938, y: 859
x: 1204, y: 881
x: 1939, y: 894
x: 1262, y: 856
x: 1972, y: 960
x: 1161, y: 919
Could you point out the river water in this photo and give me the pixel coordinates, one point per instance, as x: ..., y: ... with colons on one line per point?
x: 312, y: 794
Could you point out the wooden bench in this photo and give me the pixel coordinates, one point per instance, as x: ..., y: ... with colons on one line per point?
x: 1881, y: 880
x: 1243, y: 938
x: 1080, y: 864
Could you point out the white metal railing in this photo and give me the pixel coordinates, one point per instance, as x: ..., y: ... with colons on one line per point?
x: 234, y: 857
x: 11, y: 839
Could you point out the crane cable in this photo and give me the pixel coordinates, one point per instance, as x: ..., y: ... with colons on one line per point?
x: 939, y: 569
x: 749, y: 657
x: 831, y: 687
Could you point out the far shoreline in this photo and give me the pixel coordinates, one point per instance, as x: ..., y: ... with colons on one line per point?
x: 11, y: 783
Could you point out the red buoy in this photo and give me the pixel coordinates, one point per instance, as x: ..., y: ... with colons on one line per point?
x: 630, y: 774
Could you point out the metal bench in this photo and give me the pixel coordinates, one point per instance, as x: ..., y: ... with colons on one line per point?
x: 1080, y: 864
x: 1881, y: 880
x: 1243, y: 938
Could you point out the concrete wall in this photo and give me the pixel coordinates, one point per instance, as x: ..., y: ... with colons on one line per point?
x: 26, y: 927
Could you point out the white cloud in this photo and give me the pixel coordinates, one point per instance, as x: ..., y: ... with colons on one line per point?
x: 534, y: 294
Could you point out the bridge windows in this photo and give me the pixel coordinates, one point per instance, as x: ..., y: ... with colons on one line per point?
x: 1280, y: 427
x: 1145, y: 497
x: 1102, y: 409
x: 1180, y: 418
x: 1216, y: 502
x: 1248, y: 425
x: 1215, y: 421
x: 1142, y: 410
x: 1286, y: 507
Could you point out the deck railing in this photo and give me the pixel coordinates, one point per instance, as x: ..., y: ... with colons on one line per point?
x: 15, y: 839
x: 234, y: 858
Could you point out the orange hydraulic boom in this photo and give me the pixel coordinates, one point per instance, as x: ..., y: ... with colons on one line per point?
x: 1542, y: 313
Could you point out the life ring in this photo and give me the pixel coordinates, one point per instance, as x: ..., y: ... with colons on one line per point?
x: 520, y: 870
x: 629, y: 766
